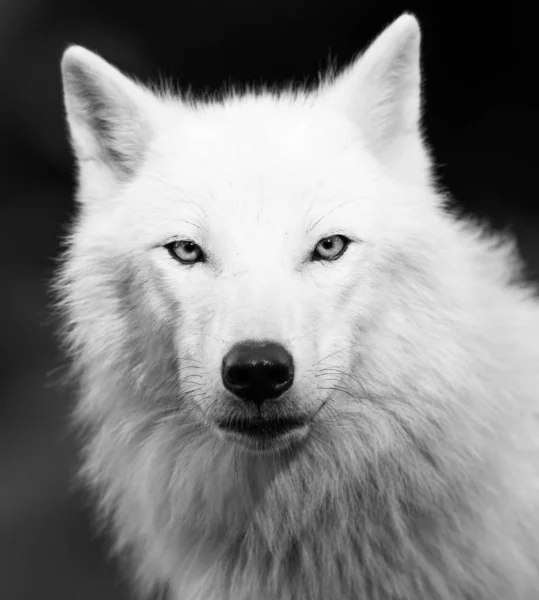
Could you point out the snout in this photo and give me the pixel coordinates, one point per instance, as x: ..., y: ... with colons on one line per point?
x: 258, y: 374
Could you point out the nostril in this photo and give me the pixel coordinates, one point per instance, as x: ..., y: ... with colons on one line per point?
x: 237, y: 375
x: 278, y: 373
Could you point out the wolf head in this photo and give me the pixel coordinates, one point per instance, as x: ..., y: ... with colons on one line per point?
x: 265, y: 260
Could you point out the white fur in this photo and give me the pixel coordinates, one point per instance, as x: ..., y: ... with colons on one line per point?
x: 419, y: 479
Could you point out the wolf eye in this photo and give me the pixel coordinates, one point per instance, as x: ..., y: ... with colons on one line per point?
x: 185, y: 251
x: 330, y: 248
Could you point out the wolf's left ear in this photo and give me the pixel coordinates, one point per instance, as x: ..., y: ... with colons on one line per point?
x: 381, y: 92
x: 108, y: 115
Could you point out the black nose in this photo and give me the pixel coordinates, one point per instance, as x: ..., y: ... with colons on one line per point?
x: 257, y: 371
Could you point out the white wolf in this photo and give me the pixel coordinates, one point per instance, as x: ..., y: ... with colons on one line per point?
x: 302, y: 378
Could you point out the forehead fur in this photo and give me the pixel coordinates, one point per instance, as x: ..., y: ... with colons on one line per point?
x: 258, y: 153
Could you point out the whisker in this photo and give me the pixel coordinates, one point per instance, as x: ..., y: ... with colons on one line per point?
x: 340, y: 389
x: 333, y: 354
x: 328, y: 213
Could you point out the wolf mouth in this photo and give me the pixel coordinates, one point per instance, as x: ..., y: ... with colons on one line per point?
x: 261, y: 428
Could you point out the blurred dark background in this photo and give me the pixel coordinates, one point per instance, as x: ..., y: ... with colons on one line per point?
x: 482, y: 119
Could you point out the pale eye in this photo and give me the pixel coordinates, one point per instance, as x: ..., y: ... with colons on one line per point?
x: 185, y: 251
x: 330, y: 248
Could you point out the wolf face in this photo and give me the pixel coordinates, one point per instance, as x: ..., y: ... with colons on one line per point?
x: 256, y: 220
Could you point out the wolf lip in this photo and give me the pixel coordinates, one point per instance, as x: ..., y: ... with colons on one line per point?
x: 261, y: 427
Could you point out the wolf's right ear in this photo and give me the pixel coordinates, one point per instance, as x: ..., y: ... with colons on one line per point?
x: 108, y: 115
x: 381, y: 93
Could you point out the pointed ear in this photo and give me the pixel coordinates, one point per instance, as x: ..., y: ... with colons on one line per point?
x: 381, y: 93
x: 107, y: 113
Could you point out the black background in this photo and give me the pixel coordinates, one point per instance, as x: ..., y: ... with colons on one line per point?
x: 482, y: 120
